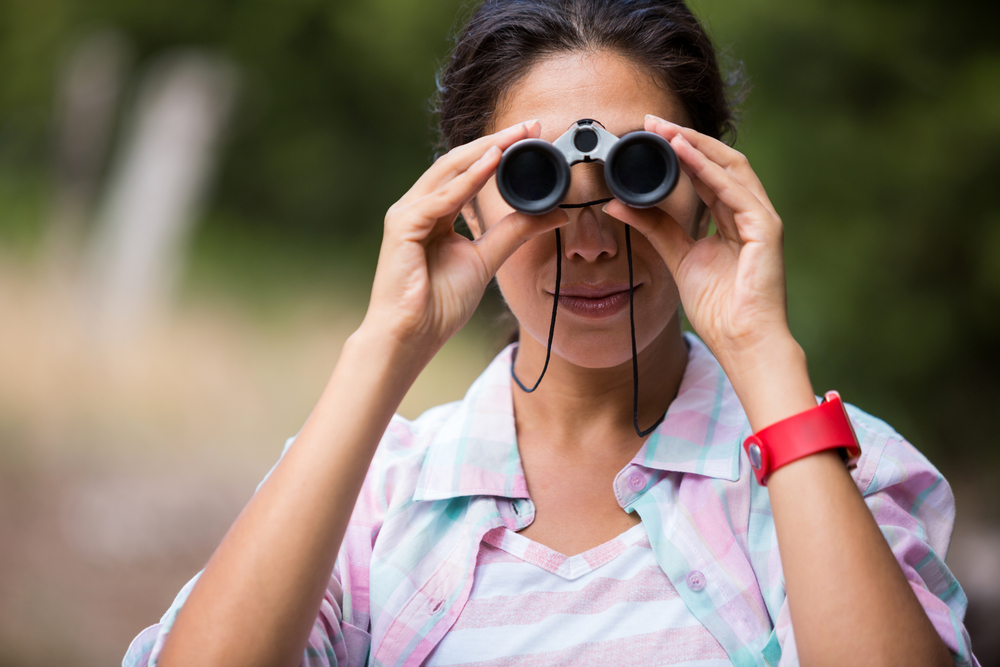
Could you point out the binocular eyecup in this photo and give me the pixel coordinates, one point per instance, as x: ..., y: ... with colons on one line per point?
x: 640, y: 168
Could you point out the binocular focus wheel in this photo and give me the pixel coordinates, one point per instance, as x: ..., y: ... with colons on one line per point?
x: 533, y: 176
x: 641, y: 169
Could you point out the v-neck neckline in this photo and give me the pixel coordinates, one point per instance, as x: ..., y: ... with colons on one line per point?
x: 561, y: 565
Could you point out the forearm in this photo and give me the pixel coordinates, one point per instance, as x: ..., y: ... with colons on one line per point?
x: 258, y: 597
x: 849, y: 600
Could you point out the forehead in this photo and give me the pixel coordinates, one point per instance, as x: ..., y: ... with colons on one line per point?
x: 563, y: 88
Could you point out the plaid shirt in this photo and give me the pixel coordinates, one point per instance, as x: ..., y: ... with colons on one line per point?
x: 438, y: 484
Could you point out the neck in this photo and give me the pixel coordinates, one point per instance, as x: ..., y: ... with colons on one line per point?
x: 575, y: 407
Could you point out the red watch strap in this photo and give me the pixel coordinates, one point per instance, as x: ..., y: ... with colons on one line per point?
x: 824, y: 427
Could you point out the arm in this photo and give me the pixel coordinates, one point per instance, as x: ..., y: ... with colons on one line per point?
x: 841, y: 578
x: 258, y: 597
x: 849, y: 600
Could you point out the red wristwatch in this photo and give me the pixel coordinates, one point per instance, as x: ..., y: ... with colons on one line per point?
x: 826, y: 426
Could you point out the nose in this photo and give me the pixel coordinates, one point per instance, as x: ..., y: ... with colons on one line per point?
x: 591, y: 235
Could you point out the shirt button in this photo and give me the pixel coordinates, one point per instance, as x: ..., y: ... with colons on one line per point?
x: 695, y: 580
x: 636, y: 481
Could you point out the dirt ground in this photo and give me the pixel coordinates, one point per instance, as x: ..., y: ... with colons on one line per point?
x: 124, y: 458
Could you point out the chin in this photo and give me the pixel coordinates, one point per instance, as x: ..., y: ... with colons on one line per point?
x: 595, y: 356
x: 596, y: 348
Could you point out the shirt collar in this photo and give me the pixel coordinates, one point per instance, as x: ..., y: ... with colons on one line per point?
x: 474, y: 451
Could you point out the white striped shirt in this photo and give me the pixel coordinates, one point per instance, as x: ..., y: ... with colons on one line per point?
x: 532, y: 606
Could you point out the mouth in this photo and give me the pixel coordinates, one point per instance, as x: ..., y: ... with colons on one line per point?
x: 594, y: 301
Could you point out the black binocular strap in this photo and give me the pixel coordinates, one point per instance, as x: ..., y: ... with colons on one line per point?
x: 631, y: 317
x: 552, y: 326
x: 635, y: 361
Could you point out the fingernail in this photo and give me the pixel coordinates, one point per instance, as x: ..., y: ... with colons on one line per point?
x: 529, y: 125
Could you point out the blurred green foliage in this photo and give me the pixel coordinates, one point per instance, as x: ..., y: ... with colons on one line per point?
x: 874, y: 125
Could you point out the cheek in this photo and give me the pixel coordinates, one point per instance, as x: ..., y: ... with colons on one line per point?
x: 519, y: 278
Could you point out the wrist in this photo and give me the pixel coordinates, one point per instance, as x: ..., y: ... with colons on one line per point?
x: 385, y: 347
x: 820, y: 429
x: 374, y: 357
x: 771, y: 380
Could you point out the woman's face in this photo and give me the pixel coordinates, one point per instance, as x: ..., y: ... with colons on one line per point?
x: 593, y: 328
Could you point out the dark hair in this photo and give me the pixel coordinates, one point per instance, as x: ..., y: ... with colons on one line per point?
x: 504, y: 38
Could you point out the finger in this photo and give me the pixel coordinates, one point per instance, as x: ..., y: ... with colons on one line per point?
x: 667, y: 236
x: 457, y: 160
x: 730, y: 191
x: 717, y: 151
x: 725, y: 225
x: 511, y: 232
x: 441, y: 206
x: 721, y: 214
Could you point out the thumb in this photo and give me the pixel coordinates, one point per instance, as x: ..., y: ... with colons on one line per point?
x: 664, y: 233
x: 511, y: 232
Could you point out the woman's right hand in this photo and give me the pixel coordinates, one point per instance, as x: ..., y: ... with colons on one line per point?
x: 430, y: 278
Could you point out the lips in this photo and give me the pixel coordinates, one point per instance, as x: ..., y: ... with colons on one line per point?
x: 592, y: 291
x: 594, y: 301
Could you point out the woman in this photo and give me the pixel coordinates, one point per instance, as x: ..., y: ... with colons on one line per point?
x: 541, y: 528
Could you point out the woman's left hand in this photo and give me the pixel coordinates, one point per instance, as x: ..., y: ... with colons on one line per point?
x: 732, y: 283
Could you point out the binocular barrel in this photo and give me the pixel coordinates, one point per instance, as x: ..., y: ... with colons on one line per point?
x: 640, y: 168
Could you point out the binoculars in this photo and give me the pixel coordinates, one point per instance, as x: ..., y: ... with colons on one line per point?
x: 640, y: 168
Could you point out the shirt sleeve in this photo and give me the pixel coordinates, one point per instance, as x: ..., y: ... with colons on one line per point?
x: 340, y: 635
x: 915, y: 510
x: 333, y: 642
x: 914, y: 507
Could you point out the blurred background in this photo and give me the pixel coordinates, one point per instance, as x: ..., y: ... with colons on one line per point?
x: 191, y: 198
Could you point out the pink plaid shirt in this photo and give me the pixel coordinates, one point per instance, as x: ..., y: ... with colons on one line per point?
x: 439, y: 483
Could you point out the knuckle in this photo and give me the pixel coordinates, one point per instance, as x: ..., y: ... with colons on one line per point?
x: 443, y: 196
x: 519, y: 229
x: 389, y: 221
x: 396, y: 215
x: 440, y: 201
x: 447, y: 161
x: 776, y: 230
x: 526, y: 228
x: 740, y: 160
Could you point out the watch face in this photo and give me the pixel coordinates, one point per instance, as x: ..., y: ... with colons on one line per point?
x: 754, y: 453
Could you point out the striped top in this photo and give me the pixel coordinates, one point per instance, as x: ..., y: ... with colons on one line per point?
x: 611, y: 605
x: 440, y: 483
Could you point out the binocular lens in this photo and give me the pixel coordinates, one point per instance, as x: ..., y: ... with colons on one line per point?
x: 640, y: 168
x: 533, y: 176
